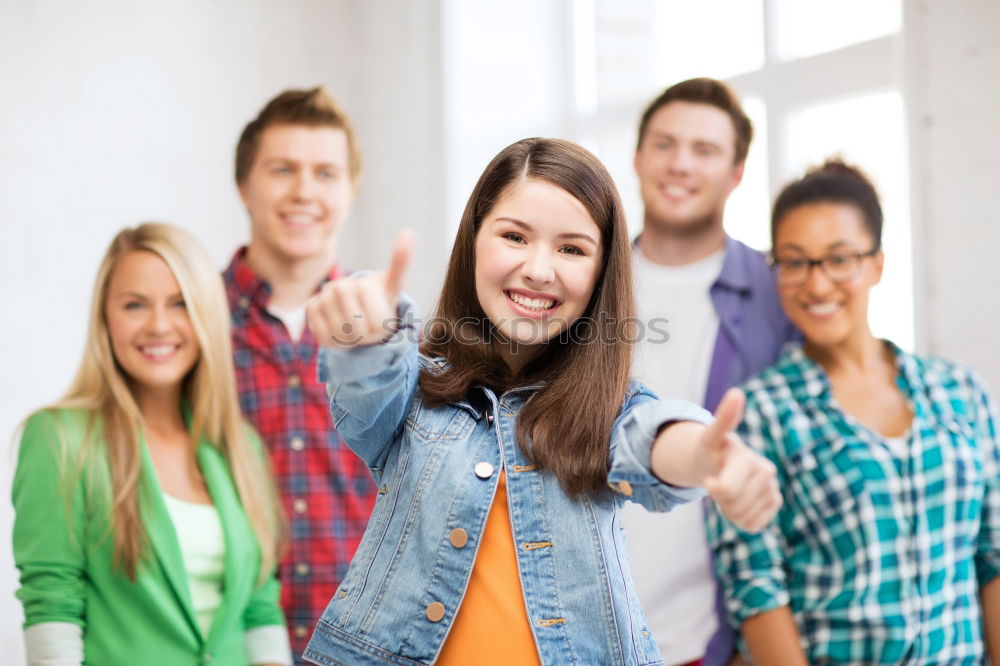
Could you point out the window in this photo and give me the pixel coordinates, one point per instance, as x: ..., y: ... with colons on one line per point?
x: 815, y: 79
x: 867, y: 130
x: 682, y: 53
x: 804, y: 28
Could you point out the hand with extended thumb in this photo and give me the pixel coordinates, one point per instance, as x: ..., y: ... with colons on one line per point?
x: 354, y: 312
x: 742, y: 482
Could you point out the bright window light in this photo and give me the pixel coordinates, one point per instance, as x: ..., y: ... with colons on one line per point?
x: 748, y: 208
x: 585, y: 56
x: 615, y: 146
x: 717, y: 38
x: 868, y: 131
x: 809, y: 27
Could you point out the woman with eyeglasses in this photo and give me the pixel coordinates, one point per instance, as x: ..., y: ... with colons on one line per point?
x: 887, y: 548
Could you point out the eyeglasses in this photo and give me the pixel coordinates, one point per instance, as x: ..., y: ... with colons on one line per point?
x: 839, y: 267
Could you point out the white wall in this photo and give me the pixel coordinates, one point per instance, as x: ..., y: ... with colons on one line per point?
x: 118, y: 111
x: 506, y: 77
x: 395, y: 64
x: 952, y: 60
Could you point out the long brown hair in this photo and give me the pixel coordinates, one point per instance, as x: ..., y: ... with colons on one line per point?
x: 565, y: 427
x: 101, y: 388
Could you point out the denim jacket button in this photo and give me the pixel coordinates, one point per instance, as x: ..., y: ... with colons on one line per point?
x: 435, y: 611
x: 625, y: 488
x: 459, y: 537
x: 484, y: 470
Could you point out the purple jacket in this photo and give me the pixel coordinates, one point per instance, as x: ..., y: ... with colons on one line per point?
x: 752, y: 330
x: 752, y: 326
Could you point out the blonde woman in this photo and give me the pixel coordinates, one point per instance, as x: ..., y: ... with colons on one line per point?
x: 147, y: 527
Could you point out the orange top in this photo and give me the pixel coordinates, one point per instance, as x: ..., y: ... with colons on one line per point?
x: 492, y: 624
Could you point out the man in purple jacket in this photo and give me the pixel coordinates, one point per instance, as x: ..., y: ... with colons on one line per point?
x: 723, y: 324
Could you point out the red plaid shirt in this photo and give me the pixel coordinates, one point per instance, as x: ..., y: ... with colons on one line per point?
x: 327, y: 491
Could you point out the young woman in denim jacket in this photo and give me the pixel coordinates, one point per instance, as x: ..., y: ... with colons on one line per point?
x: 504, y: 447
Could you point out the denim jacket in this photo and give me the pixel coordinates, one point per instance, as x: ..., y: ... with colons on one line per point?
x: 437, y: 469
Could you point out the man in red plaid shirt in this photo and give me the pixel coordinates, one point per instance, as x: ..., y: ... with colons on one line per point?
x: 297, y: 169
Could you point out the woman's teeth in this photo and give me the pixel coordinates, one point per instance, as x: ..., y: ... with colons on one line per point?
x: 159, y: 350
x: 531, y: 303
x: 822, y: 309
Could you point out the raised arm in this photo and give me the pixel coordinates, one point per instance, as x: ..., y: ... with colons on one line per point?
x: 742, y: 482
x: 368, y: 358
x: 663, y: 452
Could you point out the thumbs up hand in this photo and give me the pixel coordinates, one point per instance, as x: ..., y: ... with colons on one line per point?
x: 742, y: 482
x: 354, y: 312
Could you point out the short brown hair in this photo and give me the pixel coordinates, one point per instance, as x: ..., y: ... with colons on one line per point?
x: 312, y: 108
x: 705, y: 91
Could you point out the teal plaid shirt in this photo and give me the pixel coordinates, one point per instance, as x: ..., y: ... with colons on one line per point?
x: 879, y: 557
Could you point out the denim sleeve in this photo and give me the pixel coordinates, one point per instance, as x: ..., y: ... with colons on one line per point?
x: 370, y: 388
x: 631, y: 447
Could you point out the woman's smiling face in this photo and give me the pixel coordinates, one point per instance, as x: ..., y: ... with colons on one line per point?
x: 150, y: 331
x: 538, y: 256
x: 828, y: 312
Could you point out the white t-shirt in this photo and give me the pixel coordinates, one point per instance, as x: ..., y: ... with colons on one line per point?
x: 294, y: 320
x: 668, y: 551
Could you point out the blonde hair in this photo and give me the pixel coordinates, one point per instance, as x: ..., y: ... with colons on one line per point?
x: 102, y: 388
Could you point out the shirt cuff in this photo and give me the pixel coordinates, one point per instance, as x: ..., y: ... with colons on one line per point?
x: 54, y: 644
x: 987, y: 567
x: 268, y: 645
x: 631, y: 473
x: 755, y: 597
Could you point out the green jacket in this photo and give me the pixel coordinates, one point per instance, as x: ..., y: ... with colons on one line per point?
x: 63, y: 548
